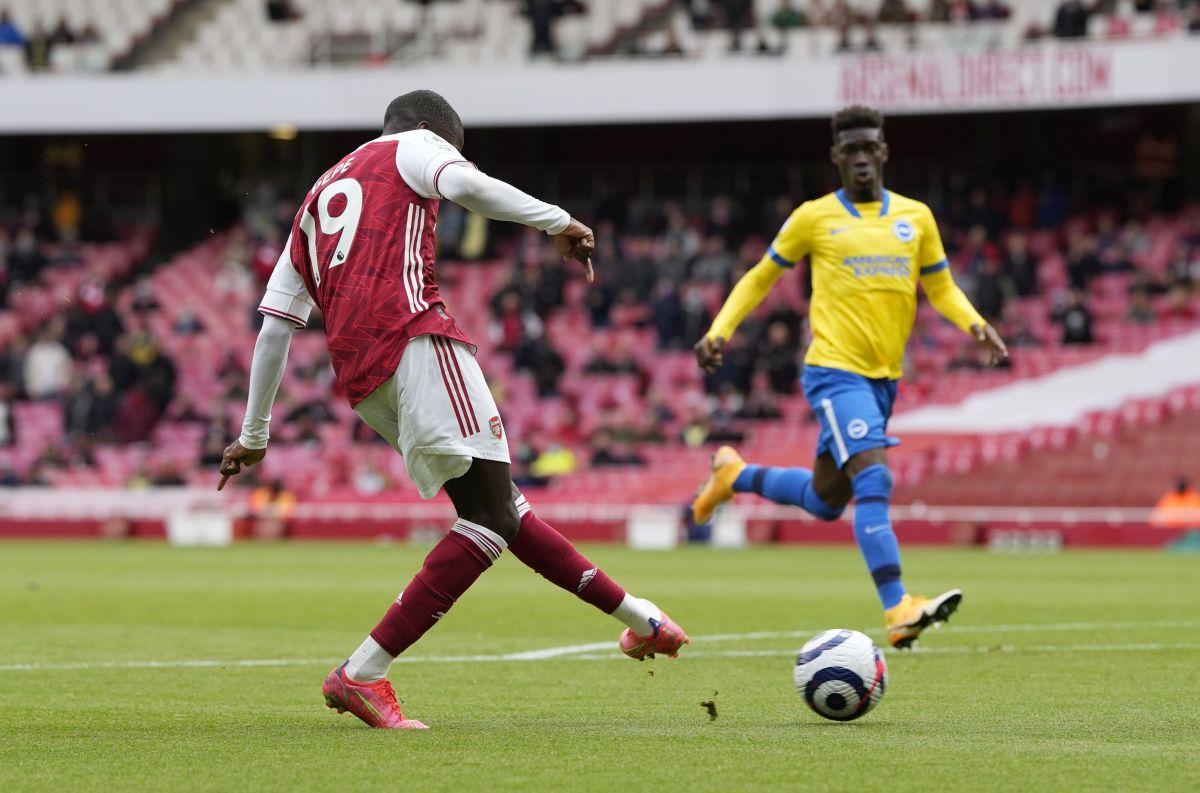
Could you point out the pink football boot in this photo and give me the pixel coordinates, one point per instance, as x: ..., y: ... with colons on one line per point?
x: 667, y: 638
x: 374, y: 703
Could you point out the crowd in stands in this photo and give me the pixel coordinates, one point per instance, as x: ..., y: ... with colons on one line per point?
x: 663, y: 268
x: 39, y: 43
x: 857, y: 22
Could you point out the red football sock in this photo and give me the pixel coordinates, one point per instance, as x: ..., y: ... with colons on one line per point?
x: 449, y: 570
x: 549, y: 553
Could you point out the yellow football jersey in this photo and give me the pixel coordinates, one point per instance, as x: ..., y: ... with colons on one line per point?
x: 866, y: 260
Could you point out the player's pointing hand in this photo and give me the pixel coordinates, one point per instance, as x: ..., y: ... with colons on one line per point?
x: 576, y: 242
x: 990, y: 340
x: 236, y: 455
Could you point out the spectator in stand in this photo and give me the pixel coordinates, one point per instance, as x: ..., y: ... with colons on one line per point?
x: 37, y: 49
x: 140, y: 365
x: 6, y: 420
x: 270, y: 508
x: 761, y: 403
x: 1071, y: 20
x: 1179, y: 508
x: 89, y: 35
x: 281, y: 11
x: 47, y: 364
x: 1020, y: 266
x: 777, y: 358
x: 1082, y: 263
x: 233, y: 280
x: 606, y: 452
x: 542, y: 14
x: 145, y: 299
x: 536, y: 356
x: 62, y: 34
x: 993, y: 288
x: 1141, y: 310
x: 93, y: 324
x: 513, y: 324
x: 1193, y: 18
x: 212, y: 447
x: 962, y: 11
x: 188, y: 324
x: 620, y: 363
x: 667, y: 311
x: 715, y: 263
x: 1075, y: 318
x: 894, y: 12
x: 993, y: 9
x: 736, y: 15
x: 10, y: 34
x: 25, y: 260
x: 788, y: 17
x: 1179, y: 304
x: 556, y: 460
x: 1016, y: 331
x: 696, y: 316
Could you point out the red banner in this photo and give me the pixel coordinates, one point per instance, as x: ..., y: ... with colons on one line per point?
x: 1014, y: 78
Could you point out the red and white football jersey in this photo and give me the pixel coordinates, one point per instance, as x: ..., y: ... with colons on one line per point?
x: 361, y: 249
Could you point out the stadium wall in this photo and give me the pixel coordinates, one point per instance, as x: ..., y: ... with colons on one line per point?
x: 35, y: 513
x: 1043, y: 76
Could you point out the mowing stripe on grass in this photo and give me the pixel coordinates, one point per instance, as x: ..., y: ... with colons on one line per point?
x: 590, y: 651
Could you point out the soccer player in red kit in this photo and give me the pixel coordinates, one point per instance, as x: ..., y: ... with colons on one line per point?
x: 361, y: 249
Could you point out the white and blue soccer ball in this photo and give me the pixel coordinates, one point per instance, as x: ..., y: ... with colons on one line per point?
x: 841, y: 674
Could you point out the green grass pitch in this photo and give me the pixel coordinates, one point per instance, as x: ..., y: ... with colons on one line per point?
x: 1075, y: 671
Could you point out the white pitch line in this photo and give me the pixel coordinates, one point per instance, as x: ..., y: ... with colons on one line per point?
x: 919, y: 651
x: 590, y: 652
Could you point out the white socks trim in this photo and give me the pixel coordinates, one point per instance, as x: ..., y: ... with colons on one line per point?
x: 636, y: 613
x: 369, y: 663
x: 488, y: 541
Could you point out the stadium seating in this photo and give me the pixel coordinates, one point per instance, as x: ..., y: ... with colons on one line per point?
x: 1131, y: 456
x: 466, y: 32
x: 236, y: 35
x: 121, y: 24
x: 333, y: 460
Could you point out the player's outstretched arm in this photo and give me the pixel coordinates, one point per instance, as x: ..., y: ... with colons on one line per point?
x: 266, y: 372
x: 497, y: 200
x: 750, y: 290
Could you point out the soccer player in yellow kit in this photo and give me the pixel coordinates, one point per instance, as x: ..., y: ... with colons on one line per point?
x: 868, y: 247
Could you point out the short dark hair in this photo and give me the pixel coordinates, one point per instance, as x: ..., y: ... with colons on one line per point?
x: 407, y: 111
x: 856, y: 117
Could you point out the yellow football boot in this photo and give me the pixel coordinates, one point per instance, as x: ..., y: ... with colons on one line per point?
x: 910, y: 616
x: 727, y: 464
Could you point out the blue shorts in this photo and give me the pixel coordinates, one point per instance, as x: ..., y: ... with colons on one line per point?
x: 853, y: 411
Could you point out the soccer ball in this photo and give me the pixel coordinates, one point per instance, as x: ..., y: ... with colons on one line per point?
x: 841, y: 674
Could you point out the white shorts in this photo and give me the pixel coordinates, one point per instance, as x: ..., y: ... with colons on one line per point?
x: 437, y: 411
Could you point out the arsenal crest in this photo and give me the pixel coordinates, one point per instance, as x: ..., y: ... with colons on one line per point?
x: 497, y: 427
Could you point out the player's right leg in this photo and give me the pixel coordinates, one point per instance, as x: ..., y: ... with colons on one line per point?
x: 853, y: 411
x: 487, y: 521
x: 438, y: 413
x: 539, y: 546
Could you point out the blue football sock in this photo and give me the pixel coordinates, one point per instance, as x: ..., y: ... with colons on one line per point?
x: 791, y: 486
x: 873, y: 531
